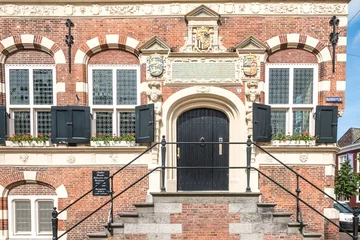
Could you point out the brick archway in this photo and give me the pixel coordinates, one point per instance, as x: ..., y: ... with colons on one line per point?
x: 299, y: 41
x: 28, y: 41
x: 110, y: 41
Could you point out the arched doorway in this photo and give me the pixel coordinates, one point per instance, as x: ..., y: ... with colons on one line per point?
x: 202, y: 125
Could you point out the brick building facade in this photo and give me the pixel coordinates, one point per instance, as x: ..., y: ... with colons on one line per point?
x: 188, y: 59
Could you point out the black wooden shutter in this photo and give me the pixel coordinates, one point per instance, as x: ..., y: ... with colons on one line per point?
x: 326, y: 124
x: 144, y: 123
x: 70, y: 124
x: 261, y: 122
x: 79, y: 124
x: 59, y: 127
x: 2, y: 124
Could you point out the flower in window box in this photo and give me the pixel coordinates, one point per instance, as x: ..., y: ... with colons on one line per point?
x: 106, y: 139
x: 303, y: 138
x: 28, y: 139
x: 129, y: 138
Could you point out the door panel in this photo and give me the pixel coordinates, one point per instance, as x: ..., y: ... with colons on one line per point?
x: 192, y: 126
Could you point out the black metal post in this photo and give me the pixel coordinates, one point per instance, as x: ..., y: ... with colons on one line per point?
x: 163, y: 153
x: 334, y: 37
x: 248, y: 163
x: 69, y: 40
x: 111, y: 207
x: 297, y: 198
x: 356, y: 223
x: 54, y: 221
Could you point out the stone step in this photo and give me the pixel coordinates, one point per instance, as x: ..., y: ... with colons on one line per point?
x: 282, y: 217
x: 98, y: 235
x: 144, y: 207
x: 312, y: 236
x: 266, y: 207
x: 128, y: 217
x: 294, y: 227
x: 117, y: 227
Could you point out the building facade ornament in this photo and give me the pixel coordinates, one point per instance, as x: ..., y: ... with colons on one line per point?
x: 175, y: 9
x: 155, y: 65
x: 71, y: 159
x: 24, y: 158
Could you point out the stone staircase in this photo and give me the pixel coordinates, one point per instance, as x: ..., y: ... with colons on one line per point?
x: 205, y: 215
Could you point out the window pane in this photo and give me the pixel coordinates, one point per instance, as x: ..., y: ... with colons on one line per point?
x: 126, y: 87
x: 45, y: 209
x: 301, y: 121
x: 22, y: 216
x: 43, y: 86
x: 19, y: 86
x: 104, y: 123
x: 102, y: 87
x: 127, y: 123
x: 278, y: 85
x: 22, y: 122
x: 44, y: 123
x: 278, y: 122
x: 303, y: 85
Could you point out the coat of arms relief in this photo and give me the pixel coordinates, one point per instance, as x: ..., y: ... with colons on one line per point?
x: 203, y: 38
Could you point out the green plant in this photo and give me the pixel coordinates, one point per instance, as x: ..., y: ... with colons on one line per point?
x: 28, y: 138
x: 346, y: 181
x: 129, y: 138
x: 304, y: 136
x: 106, y: 138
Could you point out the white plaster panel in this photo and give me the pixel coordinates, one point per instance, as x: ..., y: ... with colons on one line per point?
x: 27, y: 40
x: 293, y: 38
x: 324, y: 86
x: 112, y: 40
x: 2, y: 87
x: 81, y: 87
x: 79, y: 57
x: 61, y: 191
x: 45, y: 42
x: 261, y: 86
x: 343, y: 21
x: 4, y: 214
x: 273, y: 42
x: 7, y: 42
x: 60, y: 87
x: 131, y: 42
x: 331, y: 213
x: 341, y: 57
x: 330, y: 170
x: 340, y: 85
x: 312, y: 42
x: 325, y: 55
x: 93, y: 43
x: 342, y: 41
x: 63, y: 215
x: 30, y: 175
x: 59, y: 57
x: 330, y: 191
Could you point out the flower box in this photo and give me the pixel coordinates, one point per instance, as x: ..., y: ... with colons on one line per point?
x: 293, y: 143
x: 27, y: 144
x: 112, y: 144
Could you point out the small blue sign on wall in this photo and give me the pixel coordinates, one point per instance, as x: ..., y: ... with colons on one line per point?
x: 334, y: 99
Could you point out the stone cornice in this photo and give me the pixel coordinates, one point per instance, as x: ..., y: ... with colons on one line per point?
x: 63, y: 8
x: 164, y: 1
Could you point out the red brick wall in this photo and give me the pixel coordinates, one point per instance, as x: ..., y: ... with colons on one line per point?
x: 292, y: 56
x: 30, y: 57
x: 77, y: 181
x: 114, y: 57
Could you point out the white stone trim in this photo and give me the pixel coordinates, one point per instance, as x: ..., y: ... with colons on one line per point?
x: 94, y: 45
x: 47, y: 43
x: 274, y: 43
x: 324, y: 86
x: 30, y: 176
x: 261, y: 86
x: 324, y: 55
x: 81, y: 87
x: 342, y: 41
x: 27, y: 40
x: 343, y: 21
x: 293, y: 40
x: 131, y: 42
x: 2, y: 191
x: 61, y: 191
x: 4, y: 234
x: 311, y: 42
x: 63, y: 215
x: 60, y: 87
x: 340, y: 85
x: 147, y: 228
x: 112, y: 40
x: 9, y: 44
x: 331, y: 213
x: 341, y: 57
x: 122, y: 8
x: 330, y: 170
x: 330, y: 192
x: 59, y: 57
x: 80, y: 57
x: 2, y: 88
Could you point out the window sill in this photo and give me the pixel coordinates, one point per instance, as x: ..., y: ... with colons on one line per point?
x: 293, y: 143
x: 27, y: 144
x: 113, y: 144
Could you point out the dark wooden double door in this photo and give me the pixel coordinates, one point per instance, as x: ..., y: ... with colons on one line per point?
x: 202, y: 125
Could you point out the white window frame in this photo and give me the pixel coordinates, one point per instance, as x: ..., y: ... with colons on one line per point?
x: 357, y: 163
x: 290, y: 108
x: 114, y: 108
x: 34, y: 233
x: 33, y: 109
x: 341, y: 160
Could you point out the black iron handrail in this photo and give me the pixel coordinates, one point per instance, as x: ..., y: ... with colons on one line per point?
x: 163, y: 189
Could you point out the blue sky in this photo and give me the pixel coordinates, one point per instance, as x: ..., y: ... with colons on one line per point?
x: 351, y: 117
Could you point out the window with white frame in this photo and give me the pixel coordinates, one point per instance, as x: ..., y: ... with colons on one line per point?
x: 30, y: 94
x: 292, y: 95
x: 341, y: 160
x: 357, y: 160
x: 30, y: 216
x: 114, y: 93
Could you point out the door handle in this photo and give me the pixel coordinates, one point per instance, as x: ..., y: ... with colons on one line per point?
x: 220, y: 145
x: 178, y: 153
x: 69, y: 123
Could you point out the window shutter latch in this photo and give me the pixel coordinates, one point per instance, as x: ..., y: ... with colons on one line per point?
x: 69, y: 123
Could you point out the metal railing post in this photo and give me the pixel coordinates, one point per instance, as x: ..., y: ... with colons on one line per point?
x: 248, y: 163
x: 54, y: 222
x: 111, y: 216
x: 297, y: 198
x: 163, y: 153
x: 356, y: 223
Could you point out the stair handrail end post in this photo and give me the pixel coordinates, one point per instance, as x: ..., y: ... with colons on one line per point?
x: 356, y: 213
x: 248, y: 162
x: 54, y: 222
x: 163, y: 160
